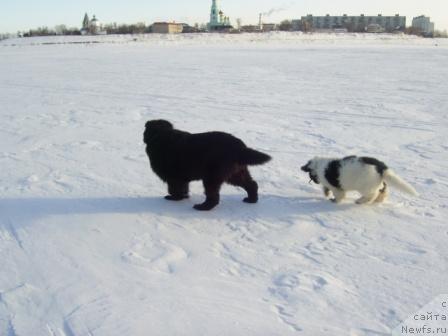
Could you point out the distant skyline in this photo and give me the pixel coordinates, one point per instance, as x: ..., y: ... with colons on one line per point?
x: 22, y: 15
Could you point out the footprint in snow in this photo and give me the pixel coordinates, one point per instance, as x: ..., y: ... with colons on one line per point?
x: 154, y: 255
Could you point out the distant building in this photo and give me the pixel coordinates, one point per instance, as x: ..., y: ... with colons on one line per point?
x: 374, y: 28
x: 250, y: 29
x: 296, y: 25
x: 351, y: 23
x: 423, y: 24
x: 218, y: 21
x: 167, y: 28
x: 267, y: 27
x: 190, y: 29
x: 261, y: 27
x: 91, y: 27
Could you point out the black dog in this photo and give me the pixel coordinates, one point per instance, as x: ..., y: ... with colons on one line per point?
x: 179, y: 157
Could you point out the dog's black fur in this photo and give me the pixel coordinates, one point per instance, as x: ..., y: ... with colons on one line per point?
x: 379, y: 166
x: 332, y: 173
x: 313, y: 176
x: 179, y: 157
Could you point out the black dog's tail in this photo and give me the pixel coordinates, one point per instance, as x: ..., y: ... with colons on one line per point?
x: 251, y: 157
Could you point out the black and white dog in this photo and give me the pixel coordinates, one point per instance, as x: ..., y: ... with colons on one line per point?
x: 368, y: 176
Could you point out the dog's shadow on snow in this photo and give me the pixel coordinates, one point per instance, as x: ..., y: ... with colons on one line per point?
x: 231, y: 208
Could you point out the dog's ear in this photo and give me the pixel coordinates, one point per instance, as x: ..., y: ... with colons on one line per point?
x: 306, y: 168
x: 166, y: 124
x: 158, y: 124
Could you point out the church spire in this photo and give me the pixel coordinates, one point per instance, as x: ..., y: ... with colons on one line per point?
x: 214, y: 14
x: 218, y: 21
x: 85, y: 22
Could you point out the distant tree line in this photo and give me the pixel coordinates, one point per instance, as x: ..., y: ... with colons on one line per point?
x: 4, y: 36
x: 45, y: 31
x: 137, y: 28
x: 443, y: 34
x: 111, y: 28
x: 285, y: 25
x: 419, y: 32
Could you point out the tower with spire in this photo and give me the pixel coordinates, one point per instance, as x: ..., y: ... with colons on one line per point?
x: 218, y: 21
x: 214, y: 14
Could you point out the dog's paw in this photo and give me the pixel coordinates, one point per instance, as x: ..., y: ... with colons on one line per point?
x: 175, y: 198
x: 204, y: 206
x: 250, y: 200
x: 362, y: 201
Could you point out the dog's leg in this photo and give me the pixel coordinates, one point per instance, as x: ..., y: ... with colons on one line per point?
x: 177, y: 191
x: 383, y: 193
x: 243, y: 179
x: 339, y: 195
x: 327, y: 192
x: 368, y: 199
x: 212, y: 187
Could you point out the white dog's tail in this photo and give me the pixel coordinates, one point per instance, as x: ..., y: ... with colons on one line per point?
x: 396, y: 181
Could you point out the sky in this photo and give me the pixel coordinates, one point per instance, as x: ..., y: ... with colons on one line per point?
x: 20, y: 15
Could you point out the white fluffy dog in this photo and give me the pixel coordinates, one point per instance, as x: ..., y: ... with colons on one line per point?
x: 368, y: 176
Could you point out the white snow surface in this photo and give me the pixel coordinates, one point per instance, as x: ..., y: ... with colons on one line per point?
x: 88, y: 245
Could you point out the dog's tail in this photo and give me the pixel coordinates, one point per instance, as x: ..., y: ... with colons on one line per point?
x: 396, y: 181
x: 251, y: 157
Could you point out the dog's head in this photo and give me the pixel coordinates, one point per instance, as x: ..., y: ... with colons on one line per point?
x: 311, y: 169
x: 154, y: 127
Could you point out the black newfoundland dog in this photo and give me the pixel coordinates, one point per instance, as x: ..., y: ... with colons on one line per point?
x: 179, y: 157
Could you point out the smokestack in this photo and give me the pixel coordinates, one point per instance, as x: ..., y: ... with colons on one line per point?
x: 260, y: 22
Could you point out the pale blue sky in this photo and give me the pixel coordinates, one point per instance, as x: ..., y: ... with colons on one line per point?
x: 25, y: 14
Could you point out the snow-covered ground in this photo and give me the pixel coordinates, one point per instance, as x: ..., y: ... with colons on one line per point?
x: 88, y: 246
x: 283, y: 38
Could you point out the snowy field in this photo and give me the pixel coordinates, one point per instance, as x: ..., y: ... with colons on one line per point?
x: 89, y: 247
